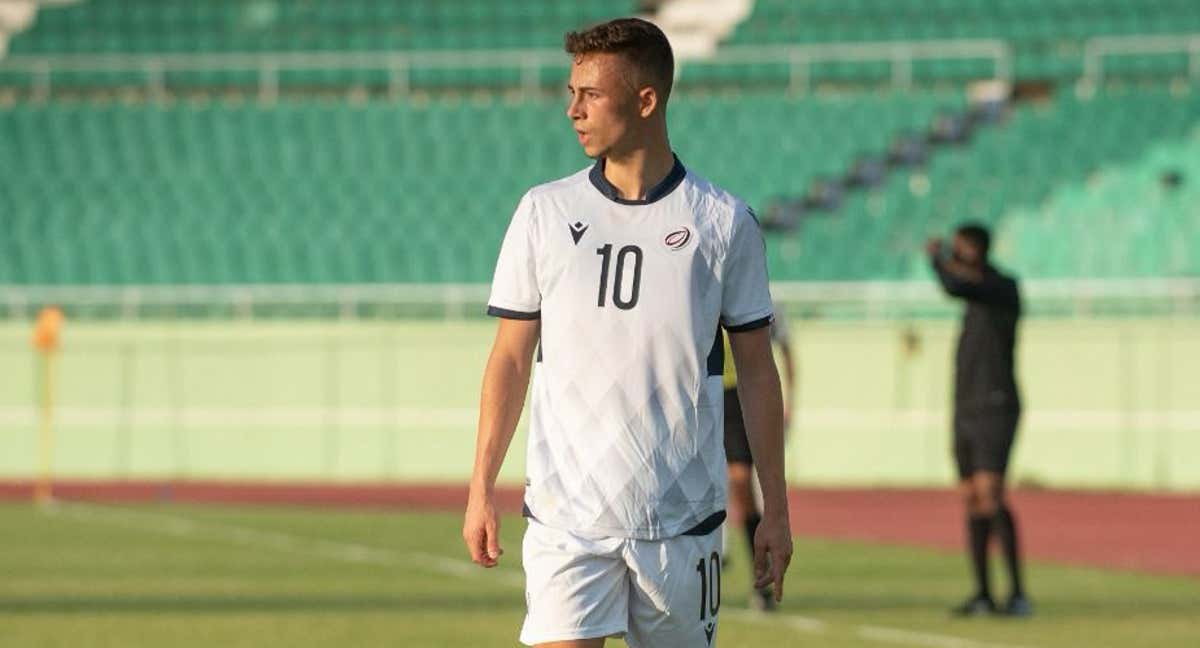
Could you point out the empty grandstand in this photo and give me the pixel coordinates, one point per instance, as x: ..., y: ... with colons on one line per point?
x: 260, y: 235
x: 191, y: 184
x: 240, y: 158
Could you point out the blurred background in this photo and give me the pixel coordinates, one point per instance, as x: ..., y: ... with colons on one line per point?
x: 271, y: 224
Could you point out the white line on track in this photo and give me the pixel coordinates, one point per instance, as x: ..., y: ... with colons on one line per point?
x: 185, y: 527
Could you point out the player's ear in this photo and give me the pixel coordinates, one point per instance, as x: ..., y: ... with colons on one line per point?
x: 647, y: 101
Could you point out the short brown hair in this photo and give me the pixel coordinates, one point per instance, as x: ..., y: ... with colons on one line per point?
x: 640, y: 42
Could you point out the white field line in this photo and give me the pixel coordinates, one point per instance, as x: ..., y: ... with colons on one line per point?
x: 179, y: 526
x: 880, y: 634
x: 184, y: 527
x: 799, y: 623
x: 831, y: 418
x: 925, y: 639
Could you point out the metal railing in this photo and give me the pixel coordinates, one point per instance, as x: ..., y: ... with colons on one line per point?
x: 530, y: 63
x: 1097, y: 50
x: 900, y: 54
x: 848, y: 299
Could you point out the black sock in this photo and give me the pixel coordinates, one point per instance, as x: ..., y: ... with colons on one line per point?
x: 1006, y: 529
x: 751, y: 525
x: 978, y: 531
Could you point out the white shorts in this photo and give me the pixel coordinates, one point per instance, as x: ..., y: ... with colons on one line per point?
x: 655, y: 593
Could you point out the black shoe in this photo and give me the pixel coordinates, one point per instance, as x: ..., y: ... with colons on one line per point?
x: 1018, y: 606
x: 978, y: 605
x: 763, y: 599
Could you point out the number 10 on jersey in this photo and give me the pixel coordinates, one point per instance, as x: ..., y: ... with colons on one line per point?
x: 627, y: 254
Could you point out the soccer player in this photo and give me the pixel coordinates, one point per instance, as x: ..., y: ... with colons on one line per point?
x: 621, y: 276
x: 743, y: 507
x: 987, y: 406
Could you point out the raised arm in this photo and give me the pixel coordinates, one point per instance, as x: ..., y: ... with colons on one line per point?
x: 762, y: 411
x: 964, y: 281
x: 505, y: 381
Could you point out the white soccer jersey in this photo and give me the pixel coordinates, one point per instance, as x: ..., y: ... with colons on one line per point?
x: 625, y: 435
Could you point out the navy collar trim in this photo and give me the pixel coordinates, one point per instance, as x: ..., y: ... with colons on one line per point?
x: 656, y: 193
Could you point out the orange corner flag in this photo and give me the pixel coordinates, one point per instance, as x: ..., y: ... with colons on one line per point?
x: 46, y: 331
x: 45, y: 342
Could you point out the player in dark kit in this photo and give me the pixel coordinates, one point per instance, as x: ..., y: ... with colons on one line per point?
x: 987, y: 406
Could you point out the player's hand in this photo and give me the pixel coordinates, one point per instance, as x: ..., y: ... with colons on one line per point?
x: 933, y: 246
x: 772, y: 552
x: 481, y: 530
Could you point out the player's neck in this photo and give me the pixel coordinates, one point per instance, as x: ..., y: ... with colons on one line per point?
x: 635, y: 172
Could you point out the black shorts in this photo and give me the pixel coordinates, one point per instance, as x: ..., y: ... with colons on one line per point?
x: 983, y: 441
x: 737, y: 446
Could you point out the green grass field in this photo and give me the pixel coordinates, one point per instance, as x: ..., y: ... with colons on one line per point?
x: 175, y: 575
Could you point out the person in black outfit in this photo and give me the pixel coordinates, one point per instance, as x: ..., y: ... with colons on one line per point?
x: 987, y: 406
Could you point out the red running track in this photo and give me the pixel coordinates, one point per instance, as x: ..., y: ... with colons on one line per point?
x: 1156, y: 533
x: 1152, y: 533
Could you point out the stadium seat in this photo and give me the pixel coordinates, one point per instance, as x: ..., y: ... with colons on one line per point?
x: 309, y: 190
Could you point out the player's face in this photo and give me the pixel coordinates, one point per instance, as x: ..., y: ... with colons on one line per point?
x: 965, y: 251
x: 604, y: 104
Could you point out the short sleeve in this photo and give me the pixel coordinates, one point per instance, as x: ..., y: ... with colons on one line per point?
x: 515, y: 293
x: 745, y: 295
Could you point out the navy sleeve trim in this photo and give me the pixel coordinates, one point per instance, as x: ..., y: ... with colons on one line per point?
x: 750, y: 326
x: 512, y: 314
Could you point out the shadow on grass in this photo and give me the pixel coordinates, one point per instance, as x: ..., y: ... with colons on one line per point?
x: 285, y: 603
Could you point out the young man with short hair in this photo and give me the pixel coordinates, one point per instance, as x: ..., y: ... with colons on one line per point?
x: 620, y: 277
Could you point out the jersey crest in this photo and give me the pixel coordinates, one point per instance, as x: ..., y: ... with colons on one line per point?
x: 678, y: 238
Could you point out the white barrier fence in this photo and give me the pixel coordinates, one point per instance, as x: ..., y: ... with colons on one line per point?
x: 153, y: 69
x: 1097, y: 51
x: 862, y: 299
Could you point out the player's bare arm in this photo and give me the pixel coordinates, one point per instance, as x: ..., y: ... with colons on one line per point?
x: 505, y: 381
x: 762, y: 410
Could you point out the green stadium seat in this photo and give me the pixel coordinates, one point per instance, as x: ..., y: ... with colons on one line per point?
x: 1046, y: 35
x: 315, y: 191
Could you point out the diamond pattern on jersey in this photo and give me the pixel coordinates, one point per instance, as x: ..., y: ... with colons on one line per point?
x: 617, y: 440
x: 625, y: 437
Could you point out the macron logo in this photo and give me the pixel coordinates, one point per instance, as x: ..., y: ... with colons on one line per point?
x: 577, y: 231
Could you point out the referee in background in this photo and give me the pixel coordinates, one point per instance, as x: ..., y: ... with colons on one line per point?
x: 987, y: 406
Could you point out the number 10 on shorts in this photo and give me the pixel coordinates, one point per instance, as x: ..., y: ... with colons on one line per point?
x: 710, y: 586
